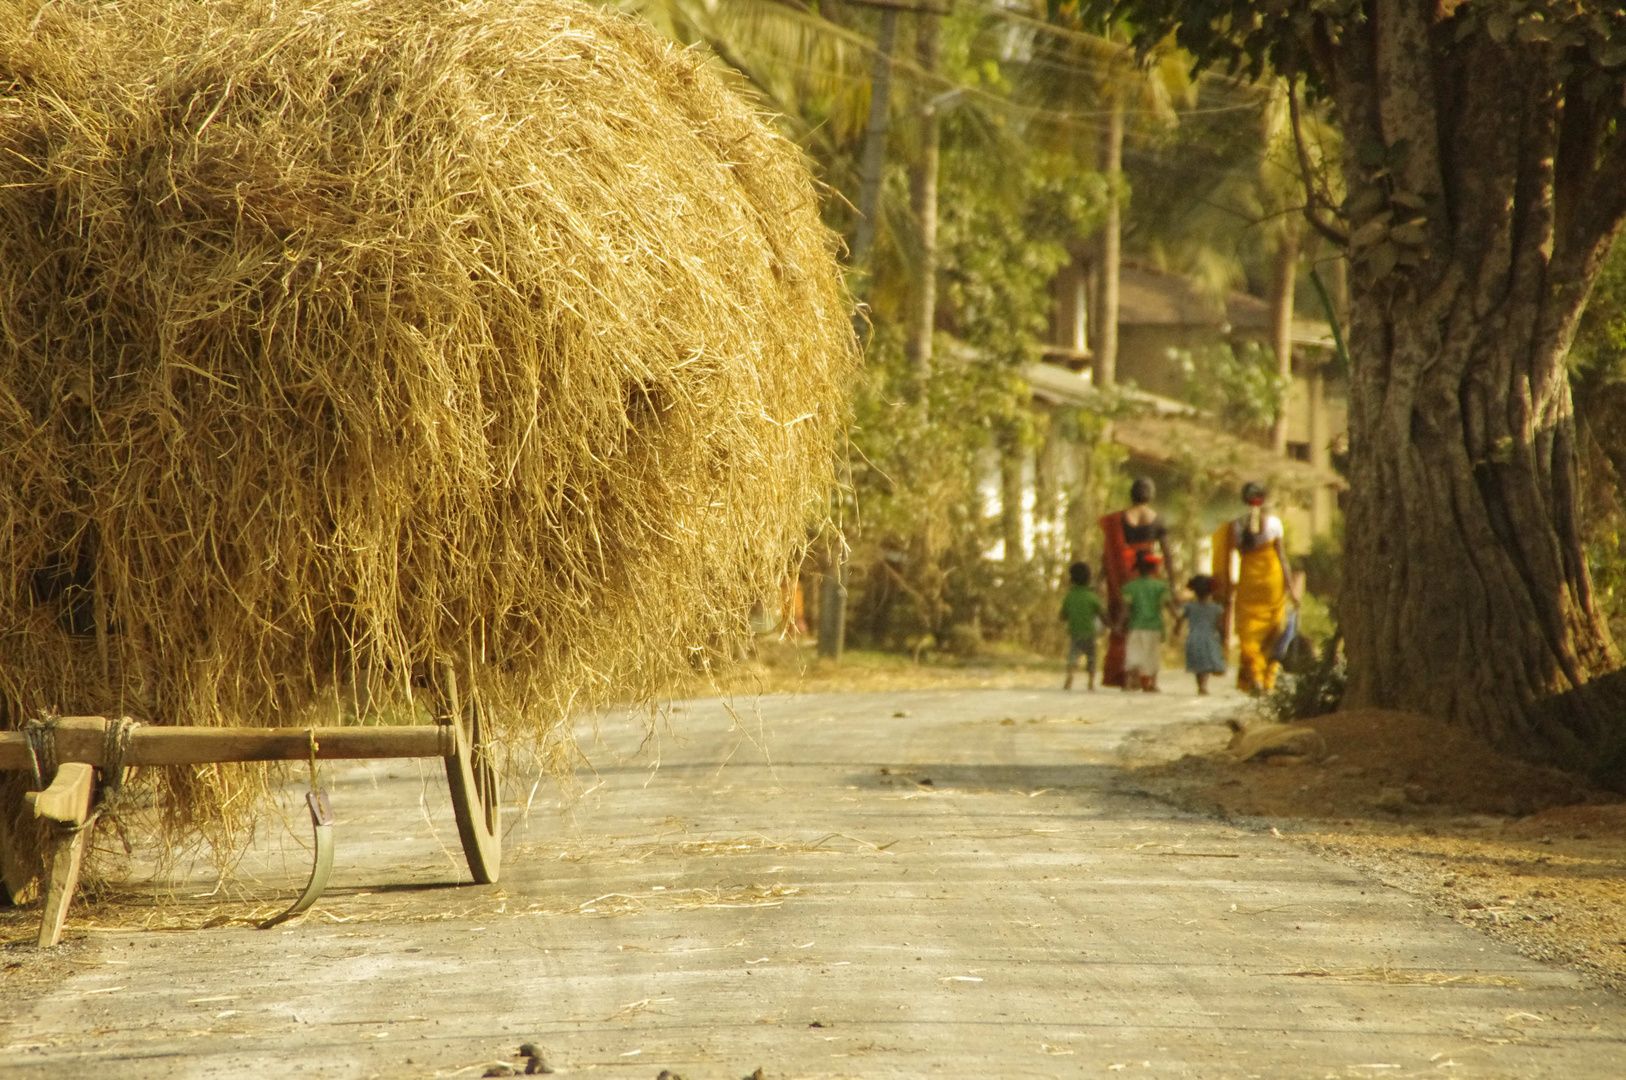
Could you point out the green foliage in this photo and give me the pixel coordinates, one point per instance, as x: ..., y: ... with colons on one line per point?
x: 1292, y: 36
x: 1316, y: 621
x: 1324, y: 565
x: 1598, y: 355
x: 1606, y: 560
x: 1302, y: 697
x: 1008, y: 212
x: 1239, y: 35
x: 1239, y: 385
x: 1003, y: 229
x: 1598, y: 384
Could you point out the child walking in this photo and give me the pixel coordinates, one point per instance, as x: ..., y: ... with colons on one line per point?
x: 1205, y: 652
x: 1145, y: 597
x: 1081, y: 611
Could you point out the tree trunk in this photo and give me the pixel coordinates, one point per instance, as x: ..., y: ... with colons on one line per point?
x: 872, y: 159
x: 1050, y: 532
x: 1466, y: 592
x: 1284, y: 277
x: 923, y: 201
x: 833, y: 604
x: 1469, y: 596
x: 871, y: 171
x: 1012, y: 461
x: 1106, y: 349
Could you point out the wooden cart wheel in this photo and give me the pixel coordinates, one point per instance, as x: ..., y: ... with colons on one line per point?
x: 476, y: 795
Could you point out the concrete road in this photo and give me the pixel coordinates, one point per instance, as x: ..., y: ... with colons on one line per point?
x: 848, y: 885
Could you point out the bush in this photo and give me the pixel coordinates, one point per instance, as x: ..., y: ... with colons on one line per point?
x: 1316, y: 692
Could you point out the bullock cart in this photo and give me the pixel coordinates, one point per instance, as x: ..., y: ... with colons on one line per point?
x: 337, y: 339
x: 79, y: 764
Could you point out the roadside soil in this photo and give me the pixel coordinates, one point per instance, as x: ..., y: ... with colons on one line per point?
x: 794, y: 667
x: 1527, y: 854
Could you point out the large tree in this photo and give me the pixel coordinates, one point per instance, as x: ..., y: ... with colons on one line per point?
x: 1485, y: 170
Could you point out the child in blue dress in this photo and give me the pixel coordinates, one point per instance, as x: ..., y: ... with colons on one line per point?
x: 1205, y: 652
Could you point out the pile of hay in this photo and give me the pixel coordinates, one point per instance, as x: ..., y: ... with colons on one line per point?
x: 340, y: 337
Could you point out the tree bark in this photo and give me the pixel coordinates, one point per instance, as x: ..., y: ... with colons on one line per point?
x: 872, y: 159
x: 1467, y: 594
x: 923, y: 202
x: 1284, y: 276
x: 1050, y: 534
x: 1112, y: 158
x: 1012, y: 462
x: 833, y: 604
x: 871, y: 171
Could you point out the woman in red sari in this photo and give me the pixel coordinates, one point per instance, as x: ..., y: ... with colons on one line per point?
x: 1127, y: 533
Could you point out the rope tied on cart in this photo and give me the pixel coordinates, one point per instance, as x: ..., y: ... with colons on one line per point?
x: 110, y: 792
x: 43, y: 762
x: 41, y: 736
x: 314, y: 747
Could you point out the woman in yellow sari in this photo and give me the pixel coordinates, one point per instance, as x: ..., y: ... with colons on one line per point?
x: 1257, y: 594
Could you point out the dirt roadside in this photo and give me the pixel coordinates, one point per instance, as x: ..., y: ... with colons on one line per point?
x: 1530, y: 855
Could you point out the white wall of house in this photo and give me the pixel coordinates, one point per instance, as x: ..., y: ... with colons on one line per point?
x: 1044, y: 527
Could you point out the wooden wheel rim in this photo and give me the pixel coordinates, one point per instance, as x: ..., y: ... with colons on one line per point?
x: 476, y: 791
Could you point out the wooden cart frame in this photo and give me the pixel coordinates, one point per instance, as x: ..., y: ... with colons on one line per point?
x: 90, y: 754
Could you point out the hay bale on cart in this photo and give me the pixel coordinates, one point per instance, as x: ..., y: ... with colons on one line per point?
x: 342, y: 340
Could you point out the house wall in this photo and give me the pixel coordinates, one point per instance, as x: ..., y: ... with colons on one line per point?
x: 1334, y: 410
x: 1298, y: 522
x: 1069, y: 308
x: 1143, y: 355
x: 1043, y: 509
x: 1317, y: 417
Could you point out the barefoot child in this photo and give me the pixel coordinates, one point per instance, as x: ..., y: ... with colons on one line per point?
x: 1205, y: 652
x: 1081, y: 611
x: 1145, y: 597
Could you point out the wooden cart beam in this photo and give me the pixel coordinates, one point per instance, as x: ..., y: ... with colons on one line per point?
x: 83, y: 739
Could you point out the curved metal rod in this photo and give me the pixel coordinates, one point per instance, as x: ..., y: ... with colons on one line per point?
x: 322, y: 824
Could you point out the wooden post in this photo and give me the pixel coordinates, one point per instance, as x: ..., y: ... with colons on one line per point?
x: 66, y: 802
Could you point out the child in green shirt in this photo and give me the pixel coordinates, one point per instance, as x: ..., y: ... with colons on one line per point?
x: 1081, y: 611
x: 1145, y: 597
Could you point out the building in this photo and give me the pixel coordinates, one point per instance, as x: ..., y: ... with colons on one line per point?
x: 1160, y: 314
